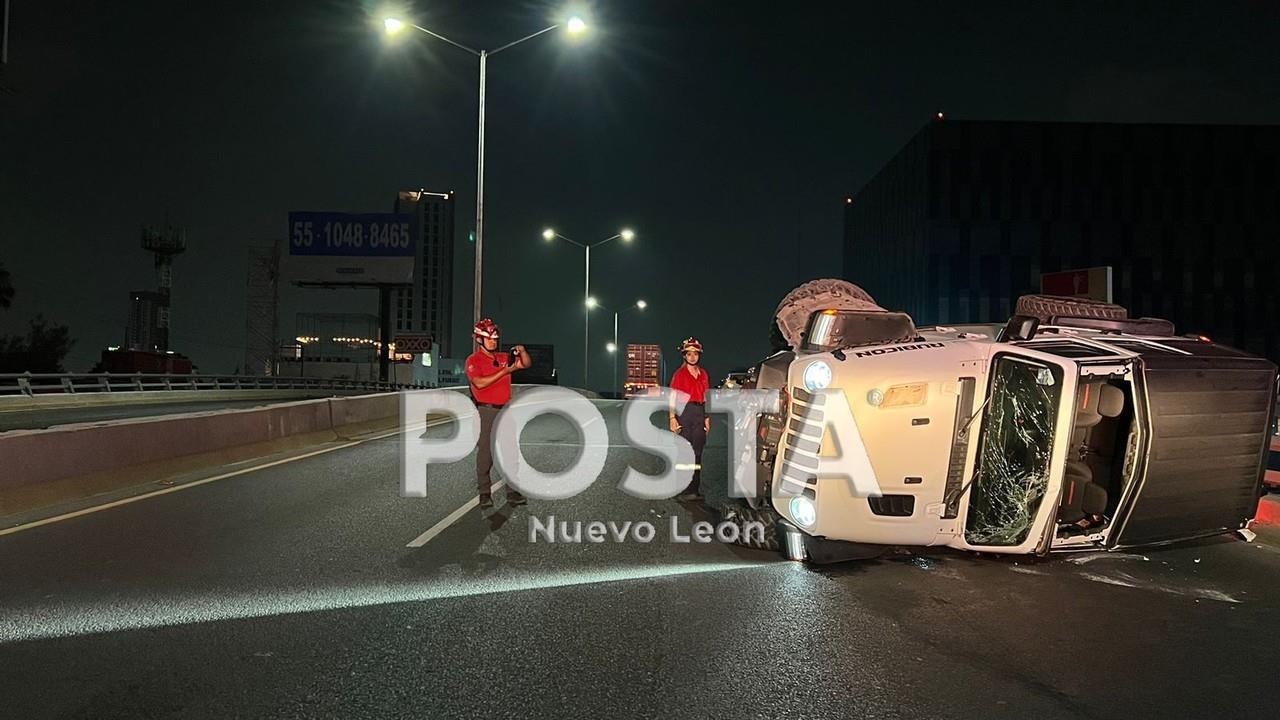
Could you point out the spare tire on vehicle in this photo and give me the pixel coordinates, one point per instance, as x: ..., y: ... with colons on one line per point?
x: 792, y: 315
x: 1048, y: 307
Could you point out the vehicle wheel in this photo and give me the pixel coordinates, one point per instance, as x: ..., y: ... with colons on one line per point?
x: 792, y: 314
x: 740, y: 515
x: 1047, y: 307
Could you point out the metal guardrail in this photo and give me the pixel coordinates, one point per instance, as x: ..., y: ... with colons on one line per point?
x: 33, y: 384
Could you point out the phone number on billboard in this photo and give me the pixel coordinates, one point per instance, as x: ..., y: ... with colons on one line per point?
x: 352, y: 235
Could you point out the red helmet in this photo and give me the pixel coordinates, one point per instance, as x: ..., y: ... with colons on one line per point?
x: 486, y: 328
x: 691, y: 344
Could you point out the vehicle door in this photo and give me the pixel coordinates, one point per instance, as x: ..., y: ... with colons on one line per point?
x: 1017, y: 460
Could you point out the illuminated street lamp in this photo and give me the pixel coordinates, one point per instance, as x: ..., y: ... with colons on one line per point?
x: 613, y: 346
x: 393, y: 26
x: 627, y: 235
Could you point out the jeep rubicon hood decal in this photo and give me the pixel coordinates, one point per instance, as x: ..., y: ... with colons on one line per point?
x: 897, y: 348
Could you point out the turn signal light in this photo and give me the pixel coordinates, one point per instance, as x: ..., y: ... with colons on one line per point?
x: 910, y: 395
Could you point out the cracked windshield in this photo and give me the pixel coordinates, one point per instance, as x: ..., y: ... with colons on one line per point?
x: 1013, y: 460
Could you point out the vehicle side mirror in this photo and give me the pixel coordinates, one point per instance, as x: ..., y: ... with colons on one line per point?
x: 1019, y: 327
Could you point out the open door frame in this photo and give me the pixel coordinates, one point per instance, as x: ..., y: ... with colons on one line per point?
x: 1041, y: 532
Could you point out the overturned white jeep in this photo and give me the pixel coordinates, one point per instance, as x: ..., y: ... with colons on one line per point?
x: 1071, y: 427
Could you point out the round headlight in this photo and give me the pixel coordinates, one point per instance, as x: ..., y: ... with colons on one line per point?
x: 803, y: 511
x: 817, y: 376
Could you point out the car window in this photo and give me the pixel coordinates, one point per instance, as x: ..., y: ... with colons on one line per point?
x: 1066, y: 348
x: 1013, y: 456
x: 1138, y: 346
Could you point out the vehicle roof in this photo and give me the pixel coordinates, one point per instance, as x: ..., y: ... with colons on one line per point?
x: 1113, y: 342
x: 1107, y: 343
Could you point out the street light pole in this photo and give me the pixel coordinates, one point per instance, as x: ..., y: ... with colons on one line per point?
x: 614, y: 347
x: 586, y: 325
x: 475, y: 307
x: 588, y: 303
x: 574, y: 25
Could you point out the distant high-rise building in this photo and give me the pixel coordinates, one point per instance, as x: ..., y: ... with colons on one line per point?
x: 148, y: 327
x: 969, y: 215
x: 262, y: 336
x: 427, y: 306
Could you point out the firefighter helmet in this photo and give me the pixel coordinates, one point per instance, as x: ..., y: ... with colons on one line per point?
x: 691, y: 344
x: 486, y: 328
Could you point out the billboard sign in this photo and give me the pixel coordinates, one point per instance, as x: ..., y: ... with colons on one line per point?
x: 1093, y: 283
x: 351, y: 248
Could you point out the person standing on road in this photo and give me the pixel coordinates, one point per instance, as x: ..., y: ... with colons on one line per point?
x: 693, y: 423
x: 489, y: 372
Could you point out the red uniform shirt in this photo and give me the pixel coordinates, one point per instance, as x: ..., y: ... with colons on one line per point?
x: 480, y: 365
x: 695, y: 387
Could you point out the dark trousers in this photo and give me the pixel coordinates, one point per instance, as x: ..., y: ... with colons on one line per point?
x: 484, y: 451
x: 693, y: 428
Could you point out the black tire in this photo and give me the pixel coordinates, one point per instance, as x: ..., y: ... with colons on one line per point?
x: 740, y: 515
x: 791, y: 315
x: 777, y: 341
x: 1047, y: 307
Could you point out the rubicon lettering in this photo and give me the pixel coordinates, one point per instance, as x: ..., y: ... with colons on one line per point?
x: 896, y: 349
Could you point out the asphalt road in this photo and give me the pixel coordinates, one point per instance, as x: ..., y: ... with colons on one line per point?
x: 38, y: 418
x: 291, y: 591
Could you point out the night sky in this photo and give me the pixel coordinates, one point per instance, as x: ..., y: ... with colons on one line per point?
x: 726, y: 133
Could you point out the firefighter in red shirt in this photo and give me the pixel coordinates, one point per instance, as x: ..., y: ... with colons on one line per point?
x: 693, y: 423
x: 489, y: 373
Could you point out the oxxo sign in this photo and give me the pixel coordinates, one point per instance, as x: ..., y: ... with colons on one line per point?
x: 414, y: 343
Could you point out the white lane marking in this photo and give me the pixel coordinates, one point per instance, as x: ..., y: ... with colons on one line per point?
x: 203, y: 481
x: 224, y: 476
x: 452, y: 518
x: 474, y: 502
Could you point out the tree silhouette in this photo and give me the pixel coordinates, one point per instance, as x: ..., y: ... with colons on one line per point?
x: 41, y: 351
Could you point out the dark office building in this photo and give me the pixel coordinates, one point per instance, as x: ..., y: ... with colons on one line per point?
x: 427, y: 306
x: 148, y: 326
x: 968, y: 215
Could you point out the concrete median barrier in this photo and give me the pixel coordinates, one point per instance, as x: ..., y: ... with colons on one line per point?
x: 68, y: 463
x: 364, y: 410
x: 71, y: 462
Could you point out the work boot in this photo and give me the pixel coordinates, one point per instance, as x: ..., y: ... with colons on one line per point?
x: 486, y: 501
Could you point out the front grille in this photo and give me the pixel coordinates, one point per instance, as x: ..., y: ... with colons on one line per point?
x: 959, y: 446
x: 804, y: 441
x: 893, y: 505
